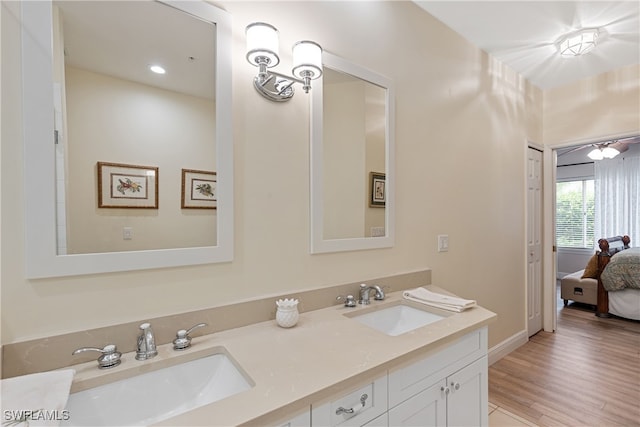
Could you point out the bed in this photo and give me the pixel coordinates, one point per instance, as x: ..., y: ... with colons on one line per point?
x: 618, y: 278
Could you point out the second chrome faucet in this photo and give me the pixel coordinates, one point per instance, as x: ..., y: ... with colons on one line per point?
x: 366, y: 289
x: 146, y: 343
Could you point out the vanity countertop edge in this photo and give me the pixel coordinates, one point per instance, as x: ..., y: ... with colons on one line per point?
x: 291, y: 368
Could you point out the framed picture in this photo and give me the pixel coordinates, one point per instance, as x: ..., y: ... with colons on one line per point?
x: 378, y: 191
x: 127, y: 186
x: 199, y: 189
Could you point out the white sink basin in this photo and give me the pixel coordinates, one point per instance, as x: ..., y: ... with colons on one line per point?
x: 397, y: 319
x: 154, y: 396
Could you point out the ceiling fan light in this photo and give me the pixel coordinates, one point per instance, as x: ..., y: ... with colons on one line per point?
x: 578, y: 42
x: 596, y: 154
x: 609, y: 152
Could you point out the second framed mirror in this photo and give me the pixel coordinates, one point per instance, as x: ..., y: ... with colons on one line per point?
x: 352, y: 159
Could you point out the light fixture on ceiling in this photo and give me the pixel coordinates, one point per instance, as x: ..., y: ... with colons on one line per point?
x: 578, y: 42
x: 157, y: 69
x: 262, y: 51
x: 603, y: 152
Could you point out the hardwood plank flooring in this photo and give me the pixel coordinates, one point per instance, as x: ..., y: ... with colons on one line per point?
x: 587, y: 373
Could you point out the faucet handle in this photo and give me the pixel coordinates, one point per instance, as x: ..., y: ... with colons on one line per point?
x: 109, y: 358
x: 349, y: 300
x: 183, y: 340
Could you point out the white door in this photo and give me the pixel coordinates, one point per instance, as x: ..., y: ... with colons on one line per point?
x: 534, y: 241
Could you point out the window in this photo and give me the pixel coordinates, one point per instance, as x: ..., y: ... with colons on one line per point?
x: 575, y: 211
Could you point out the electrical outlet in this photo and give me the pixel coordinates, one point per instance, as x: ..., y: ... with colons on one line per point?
x: 443, y: 243
x: 127, y: 233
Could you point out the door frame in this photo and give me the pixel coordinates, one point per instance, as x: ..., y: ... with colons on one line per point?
x: 549, y: 259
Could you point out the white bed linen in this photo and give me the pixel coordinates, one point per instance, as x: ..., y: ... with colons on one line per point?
x: 625, y: 303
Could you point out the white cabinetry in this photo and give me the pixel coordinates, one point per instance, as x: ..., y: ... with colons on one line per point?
x: 357, y: 408
x: 458, y: 400
x: 302, y: 420
x: 446, y: 388
x: 449, y: 387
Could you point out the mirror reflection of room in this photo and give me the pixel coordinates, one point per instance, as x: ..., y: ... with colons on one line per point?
x: 111, y: 108
x: 354, y: 134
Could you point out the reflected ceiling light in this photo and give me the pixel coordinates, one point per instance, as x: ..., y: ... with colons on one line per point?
x: 262, y: 51
x: 578, y: 42
x: 157, y: 69
x: 603, y: 152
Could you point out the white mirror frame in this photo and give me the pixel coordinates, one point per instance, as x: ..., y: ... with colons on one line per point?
x: 318, y: 243
x: 42, y: 259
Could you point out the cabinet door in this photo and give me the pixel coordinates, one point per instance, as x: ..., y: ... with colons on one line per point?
x: 381, y: 421
x: 427, y: 408
x: 468, y: 397
x: 302, y: 420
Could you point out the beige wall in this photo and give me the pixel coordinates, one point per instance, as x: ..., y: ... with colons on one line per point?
x: 119, y: 121
x: 462, y: 124
x: 594, y: 108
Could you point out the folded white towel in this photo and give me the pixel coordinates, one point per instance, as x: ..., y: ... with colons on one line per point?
x: 38, y: 399
x: 434, y: 299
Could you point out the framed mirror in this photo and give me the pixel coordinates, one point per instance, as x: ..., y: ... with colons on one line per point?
x: 126, y: 169
x: 352, y: 159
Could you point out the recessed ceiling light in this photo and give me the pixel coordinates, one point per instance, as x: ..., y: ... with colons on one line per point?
x: 157, y: 69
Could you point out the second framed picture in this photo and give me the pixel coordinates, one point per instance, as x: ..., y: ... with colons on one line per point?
x: 199, y: 189
x: 378, y: 194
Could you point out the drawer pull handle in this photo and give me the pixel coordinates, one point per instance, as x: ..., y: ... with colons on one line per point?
x: 445, y: 390
x: 456, y: 386
x: 363, y: 400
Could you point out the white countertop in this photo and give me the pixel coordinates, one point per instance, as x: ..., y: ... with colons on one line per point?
x: 325, y: 353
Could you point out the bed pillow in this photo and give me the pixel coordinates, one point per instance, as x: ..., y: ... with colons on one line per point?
x: 591, y: 270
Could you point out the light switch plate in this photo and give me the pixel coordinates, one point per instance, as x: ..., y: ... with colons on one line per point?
x: 443, y: 243
x: 127, y: 233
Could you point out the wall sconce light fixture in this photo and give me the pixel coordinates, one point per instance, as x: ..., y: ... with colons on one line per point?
x: 262, y: 51
x: 578, y: 42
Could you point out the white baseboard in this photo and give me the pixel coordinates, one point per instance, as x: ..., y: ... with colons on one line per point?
x: 500, y: 350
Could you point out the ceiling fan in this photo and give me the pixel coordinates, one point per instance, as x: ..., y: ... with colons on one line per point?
x: 604, y: 149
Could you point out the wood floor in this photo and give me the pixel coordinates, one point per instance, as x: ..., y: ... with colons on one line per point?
x: 587, y: 373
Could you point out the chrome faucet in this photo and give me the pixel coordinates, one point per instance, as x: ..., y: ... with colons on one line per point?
x: 146, y: 343
x: 364, y: 293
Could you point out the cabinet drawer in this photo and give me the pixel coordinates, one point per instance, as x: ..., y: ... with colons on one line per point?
x: 412, y: 379
x: 355, y: 408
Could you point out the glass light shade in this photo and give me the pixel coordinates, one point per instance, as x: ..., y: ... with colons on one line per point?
x: 307, y: 60
x: 596, y: 154
x: 609, y: 152
x: 262, y: 42
x: 579, y: 42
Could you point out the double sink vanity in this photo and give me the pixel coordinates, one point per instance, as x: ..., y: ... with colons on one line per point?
x: 379, y: 364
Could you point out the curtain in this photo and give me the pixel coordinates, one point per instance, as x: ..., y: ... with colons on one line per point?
x: 617, y: 198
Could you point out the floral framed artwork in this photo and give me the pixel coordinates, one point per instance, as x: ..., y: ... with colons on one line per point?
x: 378, y: 192
x: 127, y: 186
x: 199, y: 189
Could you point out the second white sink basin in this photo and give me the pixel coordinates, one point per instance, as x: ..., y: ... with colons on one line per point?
x: 157, y: 395
x: 397, y: 319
